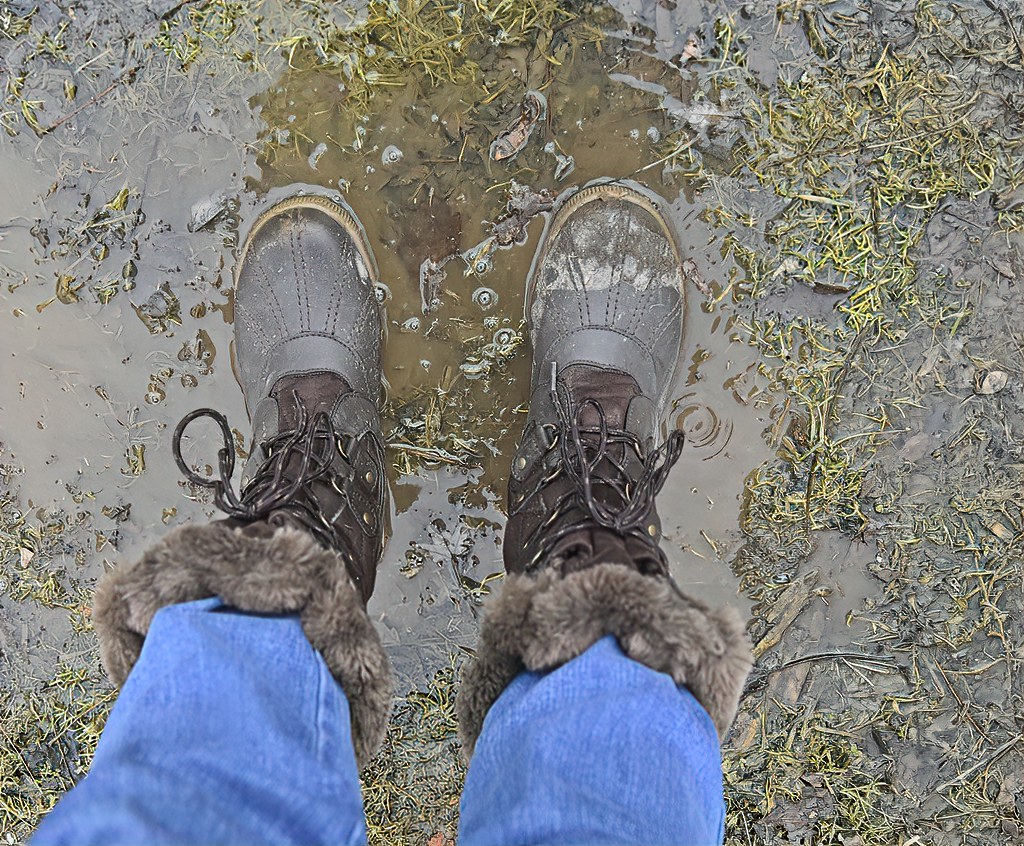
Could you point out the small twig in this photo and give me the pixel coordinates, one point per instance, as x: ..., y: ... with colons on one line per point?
x: 1009, y: 26
x: 95, y: 58
x: 995, y: 756
x: 964, y: 707
x: 797, y: 596
x: 428, y: 453
x: 124, y: 76
x: 170, y: 13
x: 682, y: 148
x: 881, y: 665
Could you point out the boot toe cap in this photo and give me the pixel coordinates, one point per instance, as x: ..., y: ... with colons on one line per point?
x: 302, y: 275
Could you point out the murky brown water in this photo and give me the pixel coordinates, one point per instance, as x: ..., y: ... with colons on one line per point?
x: 86, y: 381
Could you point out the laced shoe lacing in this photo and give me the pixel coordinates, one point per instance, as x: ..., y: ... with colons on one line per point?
x: 602, y: 489
x: 288, y: 484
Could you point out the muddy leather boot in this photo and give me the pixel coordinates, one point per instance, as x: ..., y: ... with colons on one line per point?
x: 307, y: 345
x: 306, y: 531
x: 605, y: 302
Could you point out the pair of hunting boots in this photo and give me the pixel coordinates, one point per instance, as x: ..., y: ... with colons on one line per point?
x: 605, y: 304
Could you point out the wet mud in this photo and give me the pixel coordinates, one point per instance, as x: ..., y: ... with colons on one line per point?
x: 850, y: 380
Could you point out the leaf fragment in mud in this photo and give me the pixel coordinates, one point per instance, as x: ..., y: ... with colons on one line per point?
x: 431, y: 278
x: 564, y: 164
x: 1001, y: 531
x: 931, y: 358
x: 988, y: 382
x: 160, y: 309
x: 67, y: 290
x: 692, y: 272
x: 207, y: 210
x: 692, y: 50
x: 119, y: 201
x: 136, y: 456
x: 511, y: 142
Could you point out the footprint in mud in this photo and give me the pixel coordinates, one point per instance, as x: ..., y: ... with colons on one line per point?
x: 706, y: 429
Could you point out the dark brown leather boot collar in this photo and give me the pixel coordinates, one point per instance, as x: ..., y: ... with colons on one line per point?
x: 583, y: 485
x: 309, y: 475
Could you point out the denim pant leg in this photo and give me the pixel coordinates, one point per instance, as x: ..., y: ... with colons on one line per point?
x: 230, y: 729
x: 600, y: 750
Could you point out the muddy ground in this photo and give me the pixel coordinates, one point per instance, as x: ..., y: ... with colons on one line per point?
x: 846, y: 180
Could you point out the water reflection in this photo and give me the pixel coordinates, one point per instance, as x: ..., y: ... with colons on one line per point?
x: 188, y: 165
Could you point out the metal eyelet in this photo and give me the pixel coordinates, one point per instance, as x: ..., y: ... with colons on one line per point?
x: 549, y: 434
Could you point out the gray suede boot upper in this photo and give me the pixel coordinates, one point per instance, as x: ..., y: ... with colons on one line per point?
x: 307, y: 352
x: 305, y: 533
x: 605, y: 303
x: 305, y: 303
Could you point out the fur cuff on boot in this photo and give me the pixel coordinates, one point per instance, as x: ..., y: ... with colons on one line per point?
x: 263, y: 570
x: 539, y: 623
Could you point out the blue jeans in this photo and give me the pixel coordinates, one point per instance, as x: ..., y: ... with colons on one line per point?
x: 230, y: 729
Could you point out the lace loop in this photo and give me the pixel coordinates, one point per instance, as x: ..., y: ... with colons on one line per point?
x: 224, y: 497
x: 295, y: 460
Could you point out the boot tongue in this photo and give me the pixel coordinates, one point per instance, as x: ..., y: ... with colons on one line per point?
x: 301, y: 397
x: 610, y: 389
x: 315, y: 392
x: 318, y: 505
x: 590, y: 387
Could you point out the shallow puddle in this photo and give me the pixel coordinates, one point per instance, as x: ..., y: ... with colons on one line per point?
x: 419, y: 175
